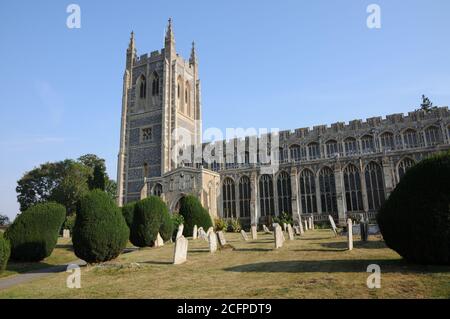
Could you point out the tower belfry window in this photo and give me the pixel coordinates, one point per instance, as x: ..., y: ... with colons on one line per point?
x: 155, y: 85
x: 142, y: 88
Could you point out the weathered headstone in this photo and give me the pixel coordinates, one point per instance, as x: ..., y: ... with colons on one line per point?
x: 278, y: 234
x: 254, y: 232
x: 222, y: 240
x: 364, y: 231
x: 180, y: 253
x: 290, y: 232
x: 266, y: 230
x: 212, y: 240
x: 195, y: 232
x: 311, y: 223
x: 180, y: 231
x: 202, y: 234
x: 210, y: 229
x: 297, y: 230
x: 333, y: 225
x: 350, y: 234
x: 300, y: 225
x: 244, y: 235
x: 66, y: 233
x: 306, y: 224
x: 159, y: 242
x: 285, y: 227
x: 373, y: 229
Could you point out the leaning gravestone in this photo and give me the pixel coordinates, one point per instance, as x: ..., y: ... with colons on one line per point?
x: 212, y: 240
x: 350, y: 234
x: 290, y: 232
x: 306, y: 224
x: 66, y: 233
x: 194, y: 232
x: 333, y: 225
x: 278, y: 233
x: 222, y: 240
x: 244, y: 235
x: 181, y: 248
x: 254, y: 232
x: 297, y: 230
x: 266, y: 230
x: 180, y: 231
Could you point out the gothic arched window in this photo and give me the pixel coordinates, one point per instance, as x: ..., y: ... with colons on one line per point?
x: 244, y: 196
x: 410, y: 138
x: 332, y: 148
x: 142, y: 87
x: 229, y: 198
x: 367, y: 144
x: 327, y: 185
x: 266, y: 202
x: 352, y: 184
x: 387, y: 141
x: 155, y: 84
x: 404, y: 165
x: 350, y: 145
x: 374, y: 186
x: 432, y: 135
x: 314, y: 151
x: 157, y: 190
x: 295, y: 152
x: 284, y: 193
x: 308, y: 192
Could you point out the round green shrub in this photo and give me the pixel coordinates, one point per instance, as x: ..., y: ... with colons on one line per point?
x: 100, y: 233
x: 5, y: 251
x: 194, y: 214
x: 128, y: 213
x: 34, y: 233
x: 415, y: 220
x: 150, y: 217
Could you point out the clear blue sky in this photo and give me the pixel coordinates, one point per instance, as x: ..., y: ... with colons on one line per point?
x: 281, y: 64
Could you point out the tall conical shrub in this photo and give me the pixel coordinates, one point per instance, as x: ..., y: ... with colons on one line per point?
x: 100, y: 232
x: 150, y: 217
x: 34, y: 233
x: 194, y: 214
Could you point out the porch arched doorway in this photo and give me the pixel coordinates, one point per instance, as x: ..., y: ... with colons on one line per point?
x: 175, y: 207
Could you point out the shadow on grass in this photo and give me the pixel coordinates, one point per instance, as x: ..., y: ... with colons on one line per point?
x: 342, y: 245
x: 199, y: 250
x: 253, y: 249
x: 33, y: 267
x: 156, y: 262
x: 336, y: 266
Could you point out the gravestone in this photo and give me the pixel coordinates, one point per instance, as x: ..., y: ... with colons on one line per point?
x: 212, y: 240
x: 278, y: 234
x: 297, y: 230
x: 254, y: 232
x: 333, y: 225
x: 266, y: 230
x: 364, y: 231
x: 202, y: 234
x: 180, y: 231
x: 373, y: 229
x: 180, y: 253
x: 306, y: 224
x: 244, y: 235
x: 311, y: 223
x: 285, y: 227
x: 210, y: 229
x: 290, y: 232
x: 300, y: 225
x: 350, y: 234
x: 194, y: 232
x: 66, y: 233
x: 159, y: 242
x: 222, y: 240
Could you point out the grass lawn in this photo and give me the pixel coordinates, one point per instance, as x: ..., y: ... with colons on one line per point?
x: 314, y: 266
x: 62, y: 254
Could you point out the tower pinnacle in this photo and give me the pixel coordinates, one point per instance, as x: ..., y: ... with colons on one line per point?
x: 193, y: 57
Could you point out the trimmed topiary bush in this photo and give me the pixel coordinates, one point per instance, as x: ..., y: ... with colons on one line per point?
x: 34, y: 233
x: 100, y: 232
x: 5, y: 251
x: 194, y: 214
x: 415, y: 220
x: 150, y: 217
x: 69, y: 223
x: 128, y: 213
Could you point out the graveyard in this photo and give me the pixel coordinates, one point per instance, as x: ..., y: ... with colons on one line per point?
x: 284, y: 264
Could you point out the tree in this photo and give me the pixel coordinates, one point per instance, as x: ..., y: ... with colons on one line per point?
x: 426, y: 105
x: 194, y: 214
x: 98, y: 179
x: 4, y: 220
x: 111, y: 188
x: 91, y: 161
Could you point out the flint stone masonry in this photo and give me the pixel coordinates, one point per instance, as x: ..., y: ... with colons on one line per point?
x: 180, y: 252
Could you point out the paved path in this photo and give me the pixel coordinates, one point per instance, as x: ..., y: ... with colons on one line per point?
x: 35, y: 274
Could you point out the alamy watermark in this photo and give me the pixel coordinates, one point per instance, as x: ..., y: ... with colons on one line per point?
x: 74, y: 19
x: 74, y: 279
x: 374, y: 18
x: 374, y: 279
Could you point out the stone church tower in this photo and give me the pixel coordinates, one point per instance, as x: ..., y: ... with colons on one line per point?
x: 161, y: 96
